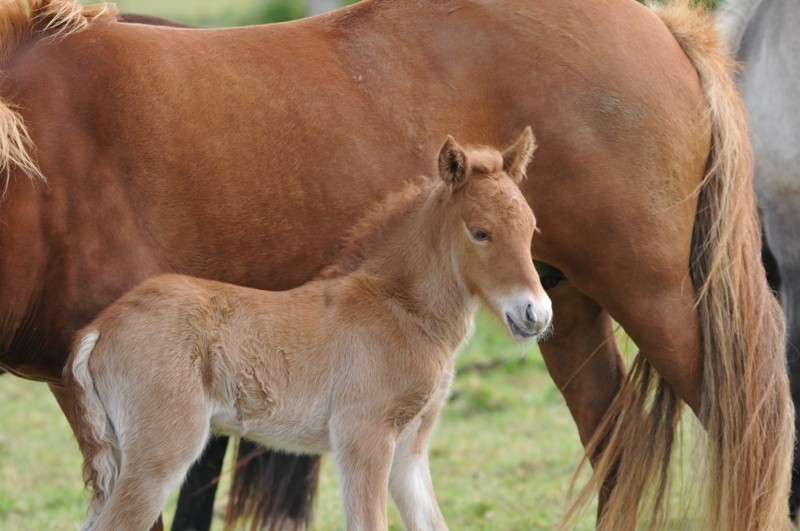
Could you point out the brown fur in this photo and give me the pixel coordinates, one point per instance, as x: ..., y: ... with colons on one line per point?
x: 347, y: 364
x: 344, y: 108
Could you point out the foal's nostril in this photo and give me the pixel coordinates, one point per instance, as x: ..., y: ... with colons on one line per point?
x: 529, y: 313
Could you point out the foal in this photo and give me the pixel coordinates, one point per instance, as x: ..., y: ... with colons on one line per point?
x: 358, y: 362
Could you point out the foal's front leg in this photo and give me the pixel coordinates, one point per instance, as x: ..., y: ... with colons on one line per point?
x: 410, y: 479
x: 363, y: 457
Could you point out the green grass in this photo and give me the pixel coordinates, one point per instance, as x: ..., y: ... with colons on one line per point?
x: 502, y: 454
x: 197, y: 12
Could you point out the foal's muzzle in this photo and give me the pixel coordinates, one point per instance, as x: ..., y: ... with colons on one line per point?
x: 529, y: 317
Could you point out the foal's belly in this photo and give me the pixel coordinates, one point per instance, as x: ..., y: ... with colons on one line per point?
x: 302, y: 429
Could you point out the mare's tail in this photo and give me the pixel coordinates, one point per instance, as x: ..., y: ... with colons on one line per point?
x: 96, y: 436
x: 746, y: 405
x: 745, y: 402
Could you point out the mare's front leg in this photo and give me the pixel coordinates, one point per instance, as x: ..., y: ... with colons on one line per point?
x: 362, y: 452
x: 410, y: 480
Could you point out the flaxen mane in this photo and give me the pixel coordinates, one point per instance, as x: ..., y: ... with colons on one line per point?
x: 20, y: 21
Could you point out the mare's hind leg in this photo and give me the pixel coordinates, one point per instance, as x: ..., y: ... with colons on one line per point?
x: 582, y: 357
x: 584, y: 360
x: 666, y: 329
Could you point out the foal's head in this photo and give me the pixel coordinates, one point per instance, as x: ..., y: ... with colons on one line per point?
x: 494, y: 227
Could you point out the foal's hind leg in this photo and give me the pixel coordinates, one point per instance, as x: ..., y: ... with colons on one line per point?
x: 69, y: 407
x: 156, y: 447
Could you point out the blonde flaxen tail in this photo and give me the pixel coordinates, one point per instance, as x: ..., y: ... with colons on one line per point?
x: 746, y: 404
x: 746, y: 407
x: 96, y: 438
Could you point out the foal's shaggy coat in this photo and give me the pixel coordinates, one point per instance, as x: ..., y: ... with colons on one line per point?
x: 359, y: 363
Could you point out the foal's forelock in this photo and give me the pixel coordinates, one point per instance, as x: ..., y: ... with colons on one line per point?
x: 485, y: 161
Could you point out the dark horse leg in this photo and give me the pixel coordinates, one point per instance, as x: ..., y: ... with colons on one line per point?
x: 790, y: 299
x: 196, y: 500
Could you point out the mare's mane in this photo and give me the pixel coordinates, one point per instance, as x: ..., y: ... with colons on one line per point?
x: 20, y: 20
x: 372, y: 227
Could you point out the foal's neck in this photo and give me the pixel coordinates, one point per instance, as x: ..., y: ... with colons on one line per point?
x: 413, y: 267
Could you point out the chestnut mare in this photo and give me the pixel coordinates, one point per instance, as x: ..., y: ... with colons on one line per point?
x: 241, y: 154
x: 359, y: 364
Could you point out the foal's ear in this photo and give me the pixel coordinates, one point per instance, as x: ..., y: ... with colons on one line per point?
x: 517, y: 157
x: 452, y: 163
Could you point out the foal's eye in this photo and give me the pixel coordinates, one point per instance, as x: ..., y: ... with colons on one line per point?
x: 478, y: 235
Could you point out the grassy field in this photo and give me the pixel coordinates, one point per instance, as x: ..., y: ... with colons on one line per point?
x: 502, y: 455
